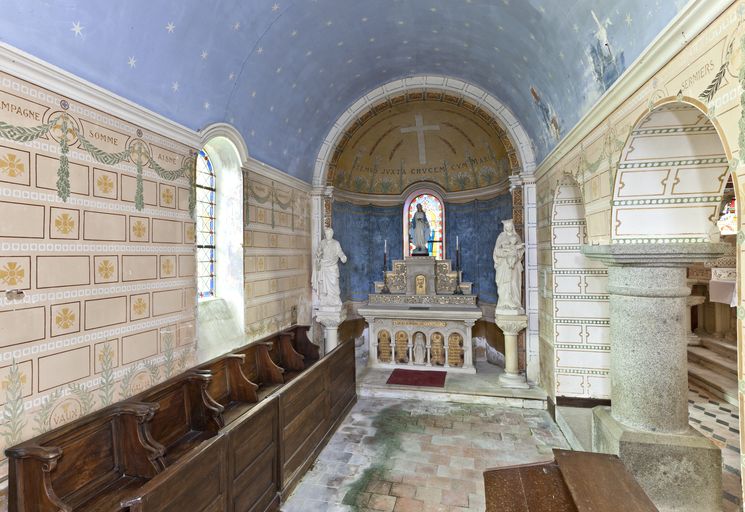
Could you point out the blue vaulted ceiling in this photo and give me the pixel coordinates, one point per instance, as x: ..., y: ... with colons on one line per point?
x: 282, y: 71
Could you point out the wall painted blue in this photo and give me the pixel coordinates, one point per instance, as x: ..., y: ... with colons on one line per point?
x: 361, y: 231
x: 477, y: 224
x: 282, y: 71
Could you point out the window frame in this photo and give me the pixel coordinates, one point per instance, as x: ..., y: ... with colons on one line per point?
x: 212, y: 292
x: 410, y: 198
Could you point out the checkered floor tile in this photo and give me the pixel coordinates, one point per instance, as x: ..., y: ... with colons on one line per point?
x: 719, y: 421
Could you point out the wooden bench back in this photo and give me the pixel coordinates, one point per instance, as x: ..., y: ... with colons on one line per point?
x: 76, y: 462
x: 184, y: 406
x: 229, y: 383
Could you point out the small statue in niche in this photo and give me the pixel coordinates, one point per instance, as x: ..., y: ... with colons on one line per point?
x: 508, y: 269
x: 325, y: 279
x: 420, y: 349
x: 420, y: 285
x: 420, y: 232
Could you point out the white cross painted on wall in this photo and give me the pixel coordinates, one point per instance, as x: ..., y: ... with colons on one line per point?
x: 419, y: 128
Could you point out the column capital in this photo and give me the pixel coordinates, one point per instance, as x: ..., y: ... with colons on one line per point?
x: 655, y: 255
x: 516, y: 181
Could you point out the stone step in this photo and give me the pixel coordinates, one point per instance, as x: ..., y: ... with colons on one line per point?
x: 721, y: 347
x: 724, y: 387
x: 713, y: 361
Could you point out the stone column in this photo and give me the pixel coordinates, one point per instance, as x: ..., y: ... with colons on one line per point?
x: 691, y: 301
x: 511, y: 326
x: 330, y: 318
x: 647, y: 425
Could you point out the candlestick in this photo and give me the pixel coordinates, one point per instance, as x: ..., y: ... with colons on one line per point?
x: 385, y: 245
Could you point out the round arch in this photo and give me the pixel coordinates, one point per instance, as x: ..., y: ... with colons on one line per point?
x: 227, y: 151
x: 422, y: 84
x: 670, y: 177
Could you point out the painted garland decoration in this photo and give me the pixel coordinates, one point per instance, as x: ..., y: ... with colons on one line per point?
x: 137, y: 152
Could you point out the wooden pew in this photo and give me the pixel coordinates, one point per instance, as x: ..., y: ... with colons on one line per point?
x: 342, y: 383
x: 259, y: 367
x: 572, y: 482
x: 253, y: 447
x: 230, y: 387
x: 186, y: 415
x: 250, y: 430
x: 310, y: 410
x: 230, y: 435
x: 89, y: 464
x: 303, y: 345
x: 195, y: 483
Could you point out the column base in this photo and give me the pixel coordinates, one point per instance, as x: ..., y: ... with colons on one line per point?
x: 511, y: 380
x: 679, y: 472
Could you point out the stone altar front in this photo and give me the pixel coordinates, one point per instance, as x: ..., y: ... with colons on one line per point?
x: 422, y: 323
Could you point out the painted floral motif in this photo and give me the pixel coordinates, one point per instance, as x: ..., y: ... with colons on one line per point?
x: 167, y: 267
x: 106, y: 269
x: 190, y: 233
x: 12, y: 274
x: 7, y: 382
x: 167, y: 196
x: 65, y: 318
x: 105, y: 184
x: 11, y: 166
x: 64, y: 223
x: 139, y: 306
x: 139, y: 229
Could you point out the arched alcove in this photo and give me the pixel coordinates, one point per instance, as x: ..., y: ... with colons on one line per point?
x: 578, y: 359
x: 226, y: 150
x: 672, y: 175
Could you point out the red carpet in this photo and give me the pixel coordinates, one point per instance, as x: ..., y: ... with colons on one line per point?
x: 417, y: 378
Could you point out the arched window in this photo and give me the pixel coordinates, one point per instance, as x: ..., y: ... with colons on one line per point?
x: 433, y: 207
x: 206, y: 193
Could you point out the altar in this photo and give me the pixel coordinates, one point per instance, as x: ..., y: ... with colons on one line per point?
x: 421, y: 317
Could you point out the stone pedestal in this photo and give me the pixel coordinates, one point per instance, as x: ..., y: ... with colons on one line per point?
x: 330, y: 317
x: 647, y: 425
x: 691, y: 301
x: 511, y: 326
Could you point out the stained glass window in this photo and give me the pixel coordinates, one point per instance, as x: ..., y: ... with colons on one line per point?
x: 205, y: 226
x: 432, y: 206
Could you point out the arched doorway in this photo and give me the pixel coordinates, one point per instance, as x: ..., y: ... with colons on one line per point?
x: 668, y: 190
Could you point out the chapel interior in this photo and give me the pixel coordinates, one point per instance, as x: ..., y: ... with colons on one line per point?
x: 397, y: 256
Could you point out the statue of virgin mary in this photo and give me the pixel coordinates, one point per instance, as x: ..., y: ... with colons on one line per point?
x: 419, y: 232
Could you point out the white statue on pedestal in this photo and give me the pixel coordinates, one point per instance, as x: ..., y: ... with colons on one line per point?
x: 325, y: 278
x: 420, y: 232
x: 508, y: 255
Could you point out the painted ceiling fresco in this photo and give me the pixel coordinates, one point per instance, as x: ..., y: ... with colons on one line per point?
x: 421, y: 141
x: 282, y: 71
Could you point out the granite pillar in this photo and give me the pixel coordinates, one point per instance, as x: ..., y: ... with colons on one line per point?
x: 647, y: 425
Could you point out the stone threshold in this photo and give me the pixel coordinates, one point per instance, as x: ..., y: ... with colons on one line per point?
x: 480, y: 388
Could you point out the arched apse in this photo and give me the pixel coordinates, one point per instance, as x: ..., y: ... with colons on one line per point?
x: 575, y: 358
x: 227, y: 150
x: 516, y: 141
x: 670, y: 178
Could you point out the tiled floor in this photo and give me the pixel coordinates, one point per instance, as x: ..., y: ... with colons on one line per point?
x: 403, y: 455
x: 719, y: 421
